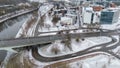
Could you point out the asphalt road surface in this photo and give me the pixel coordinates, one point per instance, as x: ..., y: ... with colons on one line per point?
x: 29, y: 41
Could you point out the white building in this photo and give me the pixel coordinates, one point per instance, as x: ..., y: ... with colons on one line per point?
x: 89, y: 16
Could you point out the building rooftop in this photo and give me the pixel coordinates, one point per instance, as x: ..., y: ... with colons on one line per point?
x: 110, y: 10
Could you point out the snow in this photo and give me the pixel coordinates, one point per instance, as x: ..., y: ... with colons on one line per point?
x: 22, y: 29
x: 48, y: 20
x: 58, y: 26
x: 31, y: 31
x: 41, y: 64
x: 66, y: 20
x: 114, y: 26
x: 99, y: 40
x: 55, y: 45
x: 116, y: 37
x: 44, y: 9
x: 45, y: 34
x: 88, y: 61
x: 24, y: 4
x: 6, y: 59
x: 99, y: 61
x: 76, y: 46
x: 41, y: 1
x: 117, y: 49
x: 67, y: 0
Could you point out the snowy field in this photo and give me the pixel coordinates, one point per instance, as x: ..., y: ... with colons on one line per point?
x: 99, y: 61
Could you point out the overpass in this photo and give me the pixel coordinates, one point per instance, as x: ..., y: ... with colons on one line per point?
x: 29, y: 41
x: 16, y: 14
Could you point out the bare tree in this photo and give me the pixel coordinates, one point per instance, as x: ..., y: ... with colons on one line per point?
x: 55, y: 19
x: 47, y: 26
x: 77, y: 40
x: 81, y: 65
x: 68, y: 41
x: 41, y: 21
x: 109, y: 61
x: 104, y: 66
x: 55, y: 49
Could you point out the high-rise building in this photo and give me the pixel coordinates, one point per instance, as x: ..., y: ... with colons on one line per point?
x: 109, y: 16
x: 89, y: 16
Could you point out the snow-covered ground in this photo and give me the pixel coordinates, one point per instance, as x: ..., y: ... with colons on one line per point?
x: 44, y: 9
x: 111, y: 26
x: 22, y: 29
x: 31, y: 30
x: 76, y: 46
x: 99, y: 61
x: 41, y: 1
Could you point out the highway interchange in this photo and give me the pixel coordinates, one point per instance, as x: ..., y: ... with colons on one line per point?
x: 21, y: 42
x: 97, y: 48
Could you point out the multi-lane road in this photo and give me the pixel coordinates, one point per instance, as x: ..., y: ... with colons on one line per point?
x: 28, y: 41
x: 16, y: 14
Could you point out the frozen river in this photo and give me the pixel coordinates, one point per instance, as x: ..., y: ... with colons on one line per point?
x: 9, y: 29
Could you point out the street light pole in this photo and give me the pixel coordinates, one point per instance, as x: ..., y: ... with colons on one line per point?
x: 79, y: 17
